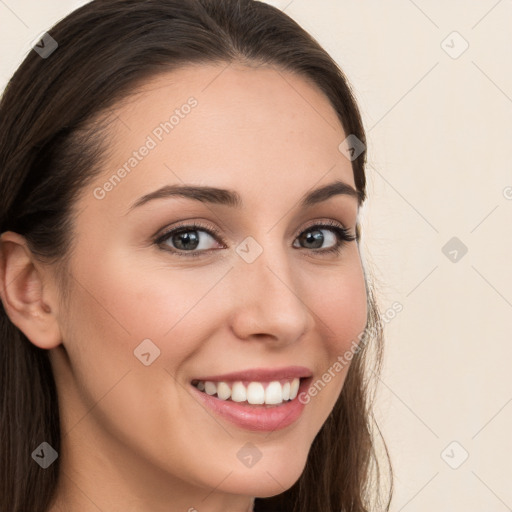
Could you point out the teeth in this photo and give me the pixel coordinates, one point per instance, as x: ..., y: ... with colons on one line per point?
x: 294, y: 388
x: 255, y: 393
x: 238, y: 393
x: 274, y: 393
x: 223, y: 391
x: 210, y: 388
x: 286, y: 391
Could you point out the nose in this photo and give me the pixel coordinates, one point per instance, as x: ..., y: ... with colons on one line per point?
x: 268, y: 301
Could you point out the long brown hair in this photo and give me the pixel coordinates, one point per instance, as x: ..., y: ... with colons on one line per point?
x: 52, y: 140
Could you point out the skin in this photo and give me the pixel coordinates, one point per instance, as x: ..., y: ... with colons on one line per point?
x: 134, y: 438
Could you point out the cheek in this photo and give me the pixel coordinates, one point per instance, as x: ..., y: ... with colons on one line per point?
x: 123, y: 300
x: 340, y: 305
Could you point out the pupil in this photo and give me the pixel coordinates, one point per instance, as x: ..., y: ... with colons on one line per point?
x: 314, y: 236
x: 186, y: 240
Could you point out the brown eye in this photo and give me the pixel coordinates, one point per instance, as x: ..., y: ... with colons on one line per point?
x: 190, y: 240
x: 316, y: 236
x: 186, y: 240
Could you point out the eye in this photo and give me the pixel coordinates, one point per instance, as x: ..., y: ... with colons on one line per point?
x: 334, y: 234
x: 190, y: 240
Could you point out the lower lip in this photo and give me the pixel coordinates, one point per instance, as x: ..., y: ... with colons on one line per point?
x: 256, y: 417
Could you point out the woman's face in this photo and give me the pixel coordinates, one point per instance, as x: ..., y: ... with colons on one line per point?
x: 251, y: 288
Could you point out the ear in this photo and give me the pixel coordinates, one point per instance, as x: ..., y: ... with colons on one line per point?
x: 26, y: 300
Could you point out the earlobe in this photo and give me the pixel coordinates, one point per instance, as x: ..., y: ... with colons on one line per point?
x: 23, y: 293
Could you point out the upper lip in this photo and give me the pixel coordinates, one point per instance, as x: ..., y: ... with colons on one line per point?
x: 261, y: 374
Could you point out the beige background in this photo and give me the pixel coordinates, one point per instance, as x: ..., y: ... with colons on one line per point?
x: 439, y: 143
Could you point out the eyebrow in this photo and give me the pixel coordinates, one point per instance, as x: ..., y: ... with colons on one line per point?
x: 233, y: 199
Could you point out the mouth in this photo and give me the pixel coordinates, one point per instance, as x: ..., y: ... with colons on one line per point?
x: 256, y: 400
x: 270, y: 393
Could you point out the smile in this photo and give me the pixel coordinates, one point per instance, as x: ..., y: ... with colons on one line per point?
x: 256, y: 393
x: 258, y: 399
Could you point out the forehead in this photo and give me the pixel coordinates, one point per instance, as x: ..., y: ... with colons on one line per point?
x: 228, y: 126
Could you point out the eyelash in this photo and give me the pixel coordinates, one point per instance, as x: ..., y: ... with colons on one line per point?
x: 343, y: 235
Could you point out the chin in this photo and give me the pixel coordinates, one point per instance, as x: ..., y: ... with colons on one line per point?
x: 267, y: 480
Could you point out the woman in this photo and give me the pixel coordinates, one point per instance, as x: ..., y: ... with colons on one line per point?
x: 186, y: 318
